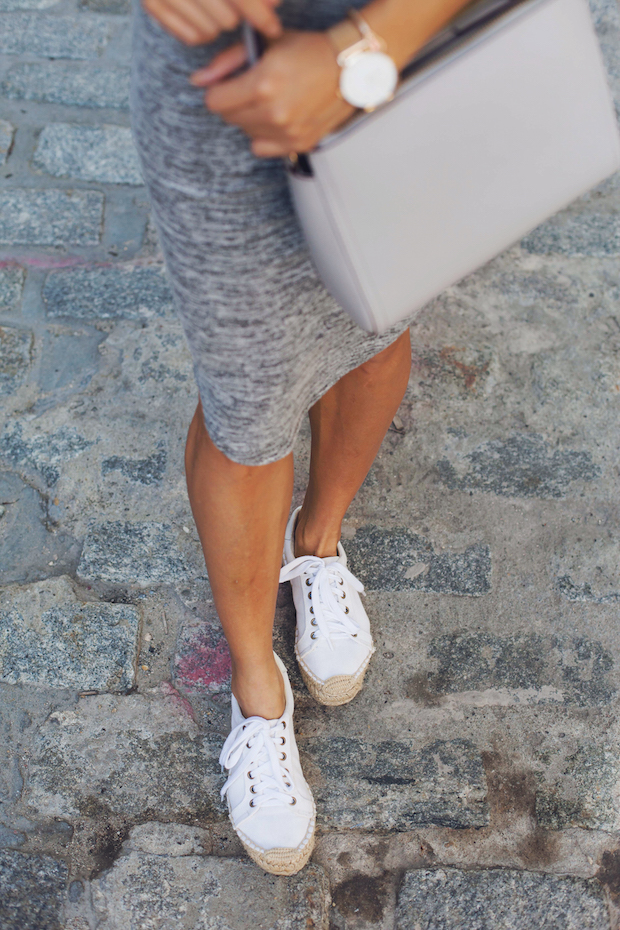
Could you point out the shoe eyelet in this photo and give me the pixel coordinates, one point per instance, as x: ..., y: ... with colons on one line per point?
x: 282, y: 756
x: 309, y: 595
x: 284, y: 724
x: 248, y: 745
x: 282, y: 740
x: 250, y: 776
x: 253, y: 789
x: 313, y: 635
x: 288, y: 784
x: 354, y: 635
x: 308, y: 581
x: 314, y: 622
x: 341, y: 581
x: 346, y: 610
x: 252, y: 804
x: 293, y: 801
x: 312, y: 610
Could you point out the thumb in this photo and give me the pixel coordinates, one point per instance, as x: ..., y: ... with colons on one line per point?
x: 224, y: 64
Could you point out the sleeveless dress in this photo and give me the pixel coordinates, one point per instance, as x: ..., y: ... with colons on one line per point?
x: 266, y: 339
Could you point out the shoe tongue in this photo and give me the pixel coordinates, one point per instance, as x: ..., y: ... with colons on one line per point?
x: 331, y: 559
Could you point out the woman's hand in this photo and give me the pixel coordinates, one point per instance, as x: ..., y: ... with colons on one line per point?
x: 195, y: 22
x: 287, y: 102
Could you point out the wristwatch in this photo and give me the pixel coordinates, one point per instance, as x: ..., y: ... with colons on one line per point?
x: 368, y: 75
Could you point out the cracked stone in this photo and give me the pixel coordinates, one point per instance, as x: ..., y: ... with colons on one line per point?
x: 49, y: 637
x: 132, y: 553
x: 11, y: 288
x: 593, y: 234
x: 78, y: 85
x: 149, y: 470
x: 50, y: 217
x: 43, y: 451
x: 520, y: 466
x: 396, y: 559
x: 26, y: 543
x: 524, y: 668
x: 394, y: 785
x: 499, y: 899
x: 15, y: 357
x: 191, y: 892
x: 32, y: 890
x: 67, y: 36
x: 140, y: 756
x: 580, y: 788
x: 129, y: 292
x: 89, y: 153
x: 6, y: 140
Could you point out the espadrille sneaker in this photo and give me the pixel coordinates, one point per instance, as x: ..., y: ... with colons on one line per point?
x: 269, y: 802
x: 333, y: 643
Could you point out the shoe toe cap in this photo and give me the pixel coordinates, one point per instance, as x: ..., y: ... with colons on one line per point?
x: 276, y: 830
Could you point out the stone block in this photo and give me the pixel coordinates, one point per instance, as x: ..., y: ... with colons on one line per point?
x: 122, y: 7
x: 523, y: 668
x: 132, y: 553
x: 202, y: 662
x: 168, y: 839
x: 77, y: 85
x: 6, y: 140
x: 30, y: 550
x: 70, y: 358
x: 49, y: 637
x: 50, y: 217
x: 499, y: 899
x: 9, y: 6
x: 89, y: 153
x: 189, y: 892
x: 520, y: 466
x: 148, y: 470
x: 396, y: 559
x: 593, y: 234
x: 579, y: 787
x: 32, y: 891
x: 394, y: 785
x: 140, y: 756
x: 15, y: 357
x: 40, y: 449
x: 120, y: 292
x: 11, y: 286
x: 68, y: 36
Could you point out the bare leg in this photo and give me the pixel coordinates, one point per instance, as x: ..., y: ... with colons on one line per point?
x: 241, y: 513
x: 348, y: 425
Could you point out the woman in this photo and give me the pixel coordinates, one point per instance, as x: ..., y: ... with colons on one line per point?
x: 268, y: 345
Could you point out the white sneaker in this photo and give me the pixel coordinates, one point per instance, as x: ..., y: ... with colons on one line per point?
x: 269, y: 802
x: 333, y: 643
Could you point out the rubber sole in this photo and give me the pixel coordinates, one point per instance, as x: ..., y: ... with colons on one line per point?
x: 282, y: 861
x: 337, y: 690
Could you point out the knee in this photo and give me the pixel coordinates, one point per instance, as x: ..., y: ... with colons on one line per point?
x: 200, y: 450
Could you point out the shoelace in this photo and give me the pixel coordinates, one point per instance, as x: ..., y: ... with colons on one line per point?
x: 258, y: 743
x: 325, y: 581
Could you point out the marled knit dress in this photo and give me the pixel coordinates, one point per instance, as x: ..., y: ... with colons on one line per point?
x: 266, y: 338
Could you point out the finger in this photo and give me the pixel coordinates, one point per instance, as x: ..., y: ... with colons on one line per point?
x: 261, y: 15
x: 186, y: 17
x: 233, y: 94
x: 223, y: 12
x: 269, y: 148
x: 227, y: 62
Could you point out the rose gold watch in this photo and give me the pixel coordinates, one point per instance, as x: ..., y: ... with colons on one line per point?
x: 368, y: 76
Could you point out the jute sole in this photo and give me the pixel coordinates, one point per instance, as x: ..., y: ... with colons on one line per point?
x: 281, y: 861
x: 337, y: 690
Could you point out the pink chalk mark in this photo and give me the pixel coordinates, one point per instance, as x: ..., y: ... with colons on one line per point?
x: 181, y: 702
x: 204, y: 666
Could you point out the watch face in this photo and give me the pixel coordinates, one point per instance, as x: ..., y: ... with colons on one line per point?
x: 368, y: 79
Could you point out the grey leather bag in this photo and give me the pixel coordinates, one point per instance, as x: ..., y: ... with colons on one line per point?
x: 504, y: 119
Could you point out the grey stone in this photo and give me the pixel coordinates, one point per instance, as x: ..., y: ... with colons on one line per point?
x: 394, y: 785
x: 10, y: 838
x: 520, y: 466
x: 68, y: 36
x: 122, y: 7
x: 9, y: 6
x: 6, y: 140
x: 15, y: 357
x: 70, y: 358
x: 396, y: 559
x: 43, y: 450
x: 132, y: 553
x: 140, y: 756
x: 168, y: 839
x: 127, y: 292
x: 89, y: 153
x: 30, y: 550
x: 11, y: 287
x: 595, y: 234
x: 50, y: 217
x: 79, y: 85
x: 499, y: 899
x: 582, y: 591
x: 209, y: 893
x: 49, y: 637
x: 32, y: 891
x: 149, y: 470
x: 579, y: 787
x: 530, y: 667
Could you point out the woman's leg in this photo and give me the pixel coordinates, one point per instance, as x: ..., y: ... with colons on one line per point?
x: 241, y: 513
x: 348, y: 425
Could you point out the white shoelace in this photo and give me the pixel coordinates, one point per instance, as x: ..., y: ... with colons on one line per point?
x: 259, y: 744
x: 325, y: 583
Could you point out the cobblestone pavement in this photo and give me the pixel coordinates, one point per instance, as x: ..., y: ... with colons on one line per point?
x: 475, y: 782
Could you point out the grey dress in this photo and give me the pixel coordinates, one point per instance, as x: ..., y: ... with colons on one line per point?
x: 267, y: 340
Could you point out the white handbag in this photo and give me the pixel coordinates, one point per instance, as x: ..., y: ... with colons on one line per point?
x: 504, y: 119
